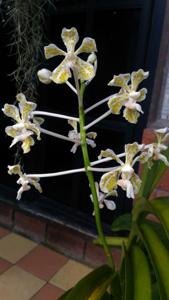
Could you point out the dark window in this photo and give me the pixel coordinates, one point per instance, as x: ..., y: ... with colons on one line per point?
x: 126, y: 37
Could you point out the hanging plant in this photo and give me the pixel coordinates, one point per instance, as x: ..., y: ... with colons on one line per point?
x: 25, y: 19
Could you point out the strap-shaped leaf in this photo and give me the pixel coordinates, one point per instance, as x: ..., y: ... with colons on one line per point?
x: 63, y: 297
x: 151, y: 177
x: 122, y: 222
x: 160, y: 207
x: 127, y: 282
x: 159, y: 256
x: 141, y: 275
x: 106, y: 296
x: 93, y: 286
x: 116, y: 287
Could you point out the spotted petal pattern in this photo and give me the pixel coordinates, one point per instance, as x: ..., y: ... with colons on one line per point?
x: 123, y: 175
x: 128, y: 95
x: 24, y: 180
x: 25, y: 126
x: 84, y: 70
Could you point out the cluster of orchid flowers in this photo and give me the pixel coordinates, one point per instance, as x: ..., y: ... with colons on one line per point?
x: 28, y: 126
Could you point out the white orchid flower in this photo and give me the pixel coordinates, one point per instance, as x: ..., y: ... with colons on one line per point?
x: 153, y: 152
x: 124, y: 175
x: 102, y: 198
x: 75, y: 135
x: 128, y: 96
x: 85, y: 70
x: 24, y: 128
x: 24, y: 180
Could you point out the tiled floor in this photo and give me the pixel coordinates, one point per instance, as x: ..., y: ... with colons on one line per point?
x: 32, y: 271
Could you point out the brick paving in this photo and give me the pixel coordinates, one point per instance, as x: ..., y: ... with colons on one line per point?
x: 32, y: 271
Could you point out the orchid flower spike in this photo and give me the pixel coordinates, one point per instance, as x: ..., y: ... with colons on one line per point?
x: 102, y: 198
x: 75, y: 135
x: 124, y: 175
x: 85, y: 70
x: 24, y: 180
x: 153, y: 151
x: 128, y: 95
x: 24, y: 127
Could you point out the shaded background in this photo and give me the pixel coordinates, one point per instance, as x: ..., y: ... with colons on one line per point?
x: 127, y: 34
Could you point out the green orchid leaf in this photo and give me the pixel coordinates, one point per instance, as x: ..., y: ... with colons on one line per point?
x: 150, y: 177
x: 160, y: 208
x: 126, y: 276
x: 116, y: 287
x: 159, y: 256
x: 64, y: 296
x: 93, y: 286
x: 122, y: 222
x: 159, y: 229
x: 107, y: 296
x: 155, y: 292
x: 141, y: 274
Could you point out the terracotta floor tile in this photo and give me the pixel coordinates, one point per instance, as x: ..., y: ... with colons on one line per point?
x: 48, y: 292
x: 3, y: 232
x: 42, y: 262
x: 13, y: 247
x: 16, y: 284
x: 4, y: 265
x: 69, y: 275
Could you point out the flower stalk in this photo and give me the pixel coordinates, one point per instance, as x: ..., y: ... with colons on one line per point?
x: 89, y: 173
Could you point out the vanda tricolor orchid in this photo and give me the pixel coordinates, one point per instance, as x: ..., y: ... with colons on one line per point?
x: 24, y: 128
x: 123, y: 175
x: 75, y: 135
x: 128, y: 96
x: 142, y: 242
x: 154, y: 151
x: 85, y: 70
x: 24, y: 180
x: 103, y: 198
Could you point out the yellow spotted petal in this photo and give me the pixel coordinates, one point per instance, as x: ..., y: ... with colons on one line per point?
x: 34, y: 128
x: 116, y: 102
x: 131, y: 115
x: 12, y: 112
x: 166, y: 138
x: 108, y: 182
x: 52, y: 50
x: 26, y: 108
x: 121, y: 81
x: 162, y: 134
x: 21, y: 98
x: 62, y: 73
x: 110, y: 153
x: 88, y: 45
x: 131, y: 150
x: 70, y: 37
x: 10, y: 131
x: 136, y: 183
x: 91, y: 135
x: 142, y: 96
x: 16, y: 169
x: 73, y: 123
x: 35, y: 183
x: 85, y: 70
x: 38, y: 120
x: 137, y: 77
x: 27, y: 143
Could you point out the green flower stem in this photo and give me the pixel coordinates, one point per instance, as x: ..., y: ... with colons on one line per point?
x: 80, y: 92
x: 93, y: 189
x: 139, y: 208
